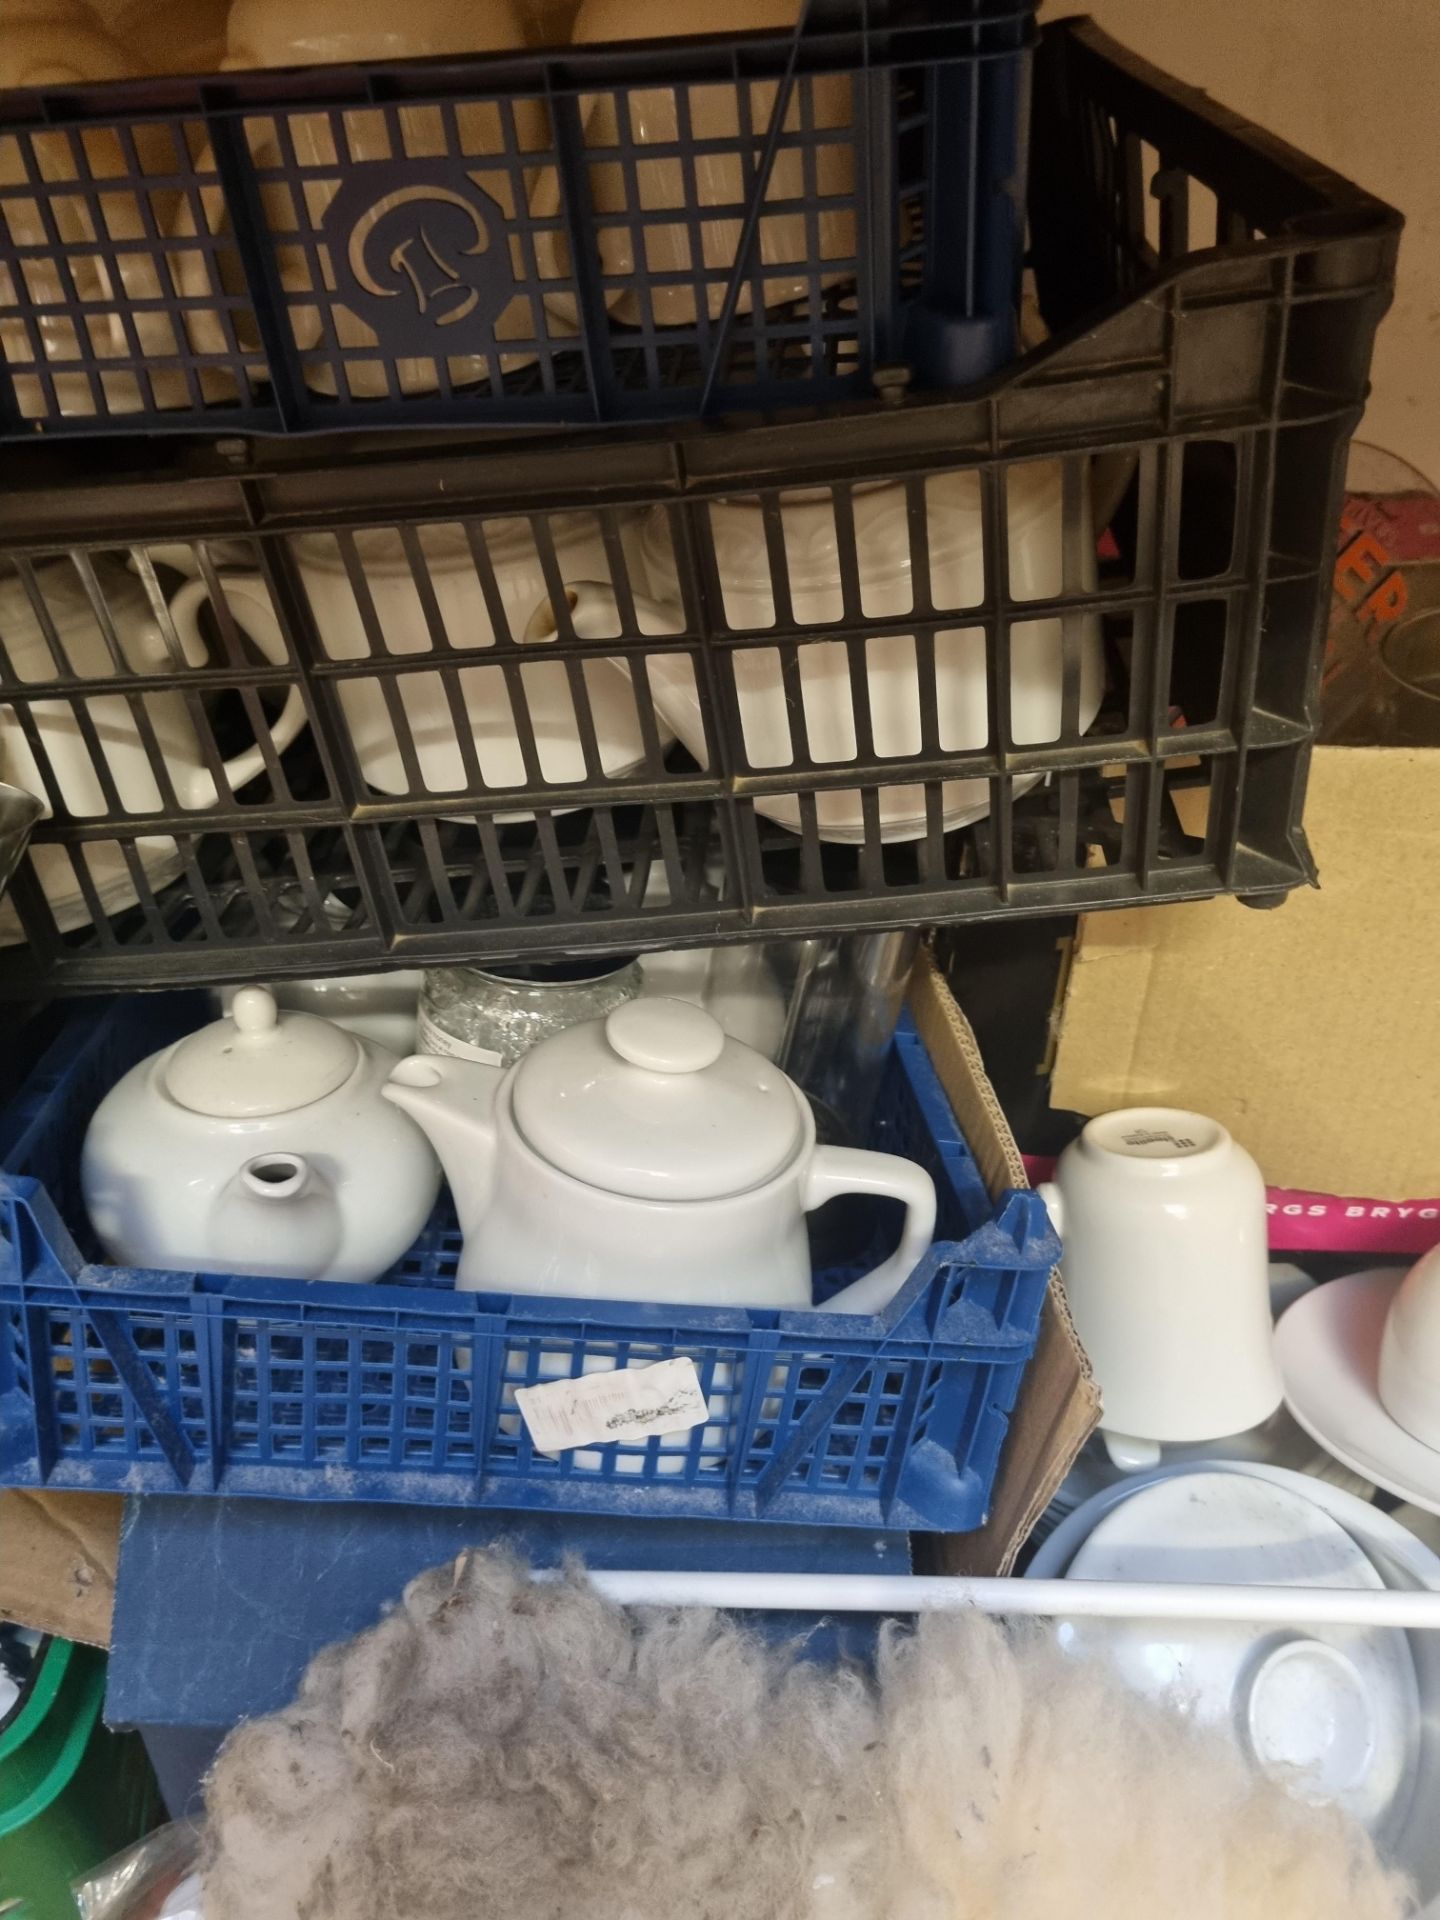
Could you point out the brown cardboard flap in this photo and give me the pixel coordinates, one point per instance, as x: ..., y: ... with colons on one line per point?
x: 1312, y: 1032
x: 58, y: 1554
x: 1059, y: 1404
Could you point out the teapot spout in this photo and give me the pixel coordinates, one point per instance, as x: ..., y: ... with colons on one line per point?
x: 591, y: 611
x: 278, y: 1216
x: 453, y: 1104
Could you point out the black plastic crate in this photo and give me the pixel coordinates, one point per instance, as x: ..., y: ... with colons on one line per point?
x: 1190, y: 412
x: 597, y: 233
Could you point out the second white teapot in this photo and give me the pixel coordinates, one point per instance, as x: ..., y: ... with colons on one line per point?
x: 646, y: 1156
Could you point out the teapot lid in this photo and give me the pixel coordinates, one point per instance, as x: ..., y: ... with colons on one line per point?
x: 657, y: 1103
x: 259, y: 1061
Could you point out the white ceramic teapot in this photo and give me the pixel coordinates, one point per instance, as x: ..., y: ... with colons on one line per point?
x: 473, y: 615
x: 259, y: 1145
x: 647, y: 1156
x: 769, y: 700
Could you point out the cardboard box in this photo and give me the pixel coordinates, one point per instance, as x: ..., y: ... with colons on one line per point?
x: 58, y: 1555
x: 1059, y: 1403
x: 1313, y: 1031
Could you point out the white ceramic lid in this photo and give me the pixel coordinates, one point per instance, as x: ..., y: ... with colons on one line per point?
x: 655, y: 1102
x: 258, y: 1061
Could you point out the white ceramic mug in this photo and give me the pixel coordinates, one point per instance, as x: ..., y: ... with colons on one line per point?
x: 427, y: 260
x: 1409, y: 1379
x: 533, y: 1227
x: 713, y: 173
x: 887, y: 587
x: 71, y: 780
x: 1166, y: 1268
x: 398, y: 627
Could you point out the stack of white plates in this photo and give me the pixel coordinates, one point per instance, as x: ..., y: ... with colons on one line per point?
x: 1348, y: 1716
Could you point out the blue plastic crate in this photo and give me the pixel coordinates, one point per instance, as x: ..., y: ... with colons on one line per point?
x: 642, y: 231
x: 142, y: 1381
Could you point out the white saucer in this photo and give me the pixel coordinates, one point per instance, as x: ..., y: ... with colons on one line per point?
x: 785, y: 812
x: 1334, y: 1714
x: 160, y: 859
x: 1328, y: 1346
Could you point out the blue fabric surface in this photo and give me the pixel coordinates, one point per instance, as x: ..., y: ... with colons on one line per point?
x: 221, y: 1603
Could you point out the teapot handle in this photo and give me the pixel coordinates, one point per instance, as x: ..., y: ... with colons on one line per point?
x: 247, y: 599
x: 837, y: 1170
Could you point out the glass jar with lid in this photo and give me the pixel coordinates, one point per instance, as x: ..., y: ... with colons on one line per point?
x: 497, y: 1013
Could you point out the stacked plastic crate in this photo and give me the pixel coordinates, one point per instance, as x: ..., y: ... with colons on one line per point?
x: 720, y: 572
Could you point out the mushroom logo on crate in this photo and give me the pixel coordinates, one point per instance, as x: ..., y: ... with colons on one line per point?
x: 420, y: 250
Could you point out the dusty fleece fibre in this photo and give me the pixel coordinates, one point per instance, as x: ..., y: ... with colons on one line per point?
x: 498, y: 1748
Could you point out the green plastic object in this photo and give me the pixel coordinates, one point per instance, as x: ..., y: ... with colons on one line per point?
x: 71, y: 1792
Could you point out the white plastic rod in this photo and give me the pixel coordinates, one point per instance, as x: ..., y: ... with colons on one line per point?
x: 1102, y: 1599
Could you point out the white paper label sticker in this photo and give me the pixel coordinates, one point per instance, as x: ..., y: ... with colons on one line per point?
x: 433, y: 1039
x: 630, y: 1403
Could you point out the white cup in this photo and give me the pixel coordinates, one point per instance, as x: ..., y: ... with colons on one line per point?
x: 394, y: 624
x: 71, y: 779
x: 1410, y: 1352
x: 1166, y: 1269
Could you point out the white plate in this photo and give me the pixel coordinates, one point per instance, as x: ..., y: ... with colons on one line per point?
x: 637, y: 765
x: 1280, y: 1442
x: 1403, y: 1560
x: 1328, y: 1346
x: 160, y: 859
x: 1333, y: 1713
x: 1218, y: 1527
x: 785, y: 812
